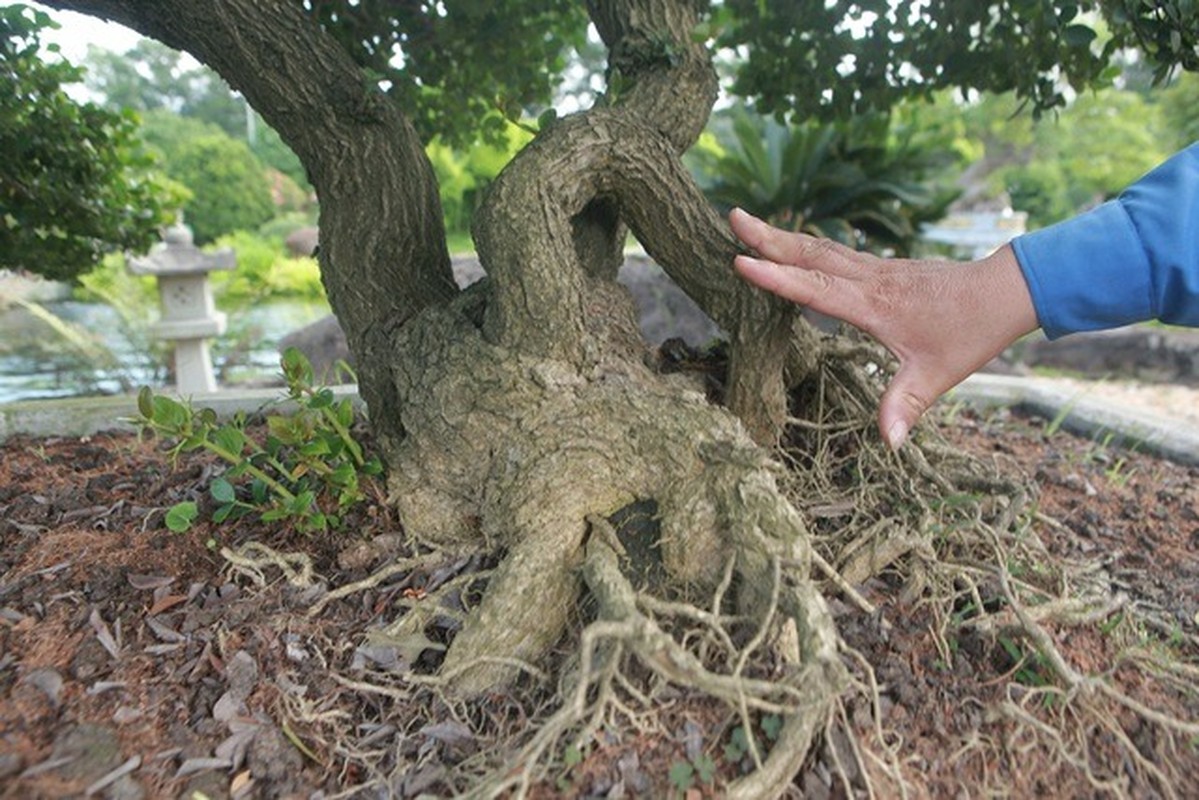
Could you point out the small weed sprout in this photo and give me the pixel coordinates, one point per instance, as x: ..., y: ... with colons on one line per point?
x: 308, y: 462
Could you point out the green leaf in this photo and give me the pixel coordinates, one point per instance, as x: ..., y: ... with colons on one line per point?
x: 345, y: 413
x: 180, y: 516
x: 170, y: 414
x: 705, y: 768
x: 230, y: 439
x: 222, y: 491
x: 682, y: 775
x: 573, y: 756
x: 547, y: 118
x: 772, y: 724
x: 1078, y: 35
x: 145, y: 403
x: 223, y: 513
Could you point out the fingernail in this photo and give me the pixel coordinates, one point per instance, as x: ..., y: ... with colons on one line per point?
x: 897, y: 434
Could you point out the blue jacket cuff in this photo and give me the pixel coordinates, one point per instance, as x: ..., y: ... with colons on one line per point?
x: 1087, y: 273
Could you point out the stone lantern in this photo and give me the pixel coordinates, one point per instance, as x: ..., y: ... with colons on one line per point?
x: 189, y: 316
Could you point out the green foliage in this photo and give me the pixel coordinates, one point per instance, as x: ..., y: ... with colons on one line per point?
x: 460, y: 60
x: 307, y: 471
x: 1180, y: 110
x: 73, y: 182
x: 1099, y: 144
x: 264, y: 270
x: 462, y: 175
x: 153, y: 77
x: 881, y: 55
x: 229, y: 187
x: 854, y: 182
x: 228, y: 183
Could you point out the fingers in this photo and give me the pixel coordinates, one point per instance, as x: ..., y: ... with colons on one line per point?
x: 825, y: 293
x: 791, y: 248
x: 905, y: 400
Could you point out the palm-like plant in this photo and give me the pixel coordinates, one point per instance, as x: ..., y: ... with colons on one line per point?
x: 853, y: 182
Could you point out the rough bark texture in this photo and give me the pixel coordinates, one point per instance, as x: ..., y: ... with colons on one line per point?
x: 515, y: 411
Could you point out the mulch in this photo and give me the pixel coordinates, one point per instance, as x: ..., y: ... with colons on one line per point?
x: 135, y: 662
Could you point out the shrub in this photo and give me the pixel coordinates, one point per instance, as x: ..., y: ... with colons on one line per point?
x: 852, y: 182
x: 263, y: 271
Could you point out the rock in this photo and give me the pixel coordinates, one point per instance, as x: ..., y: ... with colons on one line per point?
x: 302, y: 242
x: 663, y: 309
x: 1142, y: 352
x: 94, y: 751
x: 324, y: 343
x: 274, y: 762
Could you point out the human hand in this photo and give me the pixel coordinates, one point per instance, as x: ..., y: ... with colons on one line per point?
x: 942, y: 320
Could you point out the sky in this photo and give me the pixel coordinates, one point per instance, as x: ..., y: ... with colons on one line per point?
x: 80, y: 30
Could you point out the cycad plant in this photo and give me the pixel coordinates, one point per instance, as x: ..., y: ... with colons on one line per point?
x: 857, y: 182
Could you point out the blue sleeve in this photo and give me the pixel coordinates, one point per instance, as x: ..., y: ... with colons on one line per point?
x: 1132, y: 259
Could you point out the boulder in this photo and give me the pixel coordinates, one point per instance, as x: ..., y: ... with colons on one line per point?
x: 302, y: 242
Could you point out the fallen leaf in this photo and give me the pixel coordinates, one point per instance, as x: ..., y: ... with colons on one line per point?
x: 103, y: 634
x: 150, y: 581
x: 170, y: 601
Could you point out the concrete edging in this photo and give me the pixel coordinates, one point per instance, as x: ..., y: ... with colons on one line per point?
x: 83, y: 416
x: 1091, y: 417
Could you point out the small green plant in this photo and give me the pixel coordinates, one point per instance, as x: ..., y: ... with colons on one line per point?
x: 1031, y: 668
x: 684, y: 774
x: 571, y: 758
x: 308, y: 469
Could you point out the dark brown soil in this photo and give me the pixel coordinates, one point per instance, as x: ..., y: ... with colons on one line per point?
x: 123, y: 644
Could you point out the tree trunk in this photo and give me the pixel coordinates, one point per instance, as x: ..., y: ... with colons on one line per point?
x: 522, y: 408
x: 382, y: 251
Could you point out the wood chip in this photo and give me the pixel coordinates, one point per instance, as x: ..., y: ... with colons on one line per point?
x: 194, y: 765
x: 103, y: 634
x: 114, y: 776
x: 147, y: 582
x: 170, y: 601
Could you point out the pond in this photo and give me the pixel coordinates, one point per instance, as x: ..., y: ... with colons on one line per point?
x: 95, y: 352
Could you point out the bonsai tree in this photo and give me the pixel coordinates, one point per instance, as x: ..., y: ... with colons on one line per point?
x: 519, y: 415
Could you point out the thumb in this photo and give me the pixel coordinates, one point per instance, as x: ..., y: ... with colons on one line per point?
x: 907, y: 397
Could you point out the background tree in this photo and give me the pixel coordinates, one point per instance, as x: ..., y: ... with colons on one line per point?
x: 228, y: 183
x: 74, y: 184
x: 858, y: 182
x: 518, y: 416
x: 151, y: 77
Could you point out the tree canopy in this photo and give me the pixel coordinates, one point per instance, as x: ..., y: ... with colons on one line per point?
x: 799, y: 58
x: 74, y: 180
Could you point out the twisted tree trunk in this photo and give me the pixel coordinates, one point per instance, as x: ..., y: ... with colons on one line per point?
x: 518, y: 410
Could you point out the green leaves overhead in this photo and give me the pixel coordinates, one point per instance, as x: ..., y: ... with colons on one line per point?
x: 450, y: 63
x: 839, y: 58
x: 74, y: 182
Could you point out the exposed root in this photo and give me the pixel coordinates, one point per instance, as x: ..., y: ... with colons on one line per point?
x: 627, y: 632
x: 252, y: 558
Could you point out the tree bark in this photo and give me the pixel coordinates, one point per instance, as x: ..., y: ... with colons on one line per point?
x: 383, y: 253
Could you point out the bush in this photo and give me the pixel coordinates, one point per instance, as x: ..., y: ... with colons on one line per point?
x: 462, y: 176
x: 264, y: 271
x: 854, y: 182
x: 229, y: 185
x: 75, y: 182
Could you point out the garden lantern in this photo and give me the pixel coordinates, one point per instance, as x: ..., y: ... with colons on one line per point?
x: 189, y: 316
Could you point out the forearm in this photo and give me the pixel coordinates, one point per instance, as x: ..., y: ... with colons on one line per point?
x: 1132, y: 259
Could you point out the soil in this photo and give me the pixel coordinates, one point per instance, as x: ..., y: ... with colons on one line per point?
x: 138, y: 662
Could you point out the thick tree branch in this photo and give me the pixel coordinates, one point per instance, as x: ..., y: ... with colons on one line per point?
x: 383, y: 253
